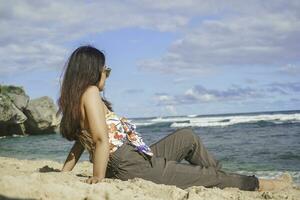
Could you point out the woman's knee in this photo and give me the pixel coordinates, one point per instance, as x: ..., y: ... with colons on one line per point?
x: 187, y: 130
x: 187, y: 133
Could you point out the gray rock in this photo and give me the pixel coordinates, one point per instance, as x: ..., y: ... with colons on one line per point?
x: 21, y: 101
x: 41, y: 114
x: 5, y: 89
x: 16, y: 94
x: 9, y: 112
x: 11, y: 117
x: 5, y: 108
x: 19, y: 115
x: 12, y: 129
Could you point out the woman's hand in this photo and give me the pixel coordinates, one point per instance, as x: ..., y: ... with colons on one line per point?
x: 92, y: 180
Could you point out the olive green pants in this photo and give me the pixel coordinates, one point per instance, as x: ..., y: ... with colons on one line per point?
x: 165, y: 166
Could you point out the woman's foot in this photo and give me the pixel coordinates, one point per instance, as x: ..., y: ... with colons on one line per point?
x: 280, y: 183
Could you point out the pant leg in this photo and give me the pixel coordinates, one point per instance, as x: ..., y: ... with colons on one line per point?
x: 205, y: 169
x: 243, y: 182
x: 185, y: 175
x: 184, y: 144
x: 127, y: 163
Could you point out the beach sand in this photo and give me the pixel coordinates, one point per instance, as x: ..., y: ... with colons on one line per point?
x: 23, y: 179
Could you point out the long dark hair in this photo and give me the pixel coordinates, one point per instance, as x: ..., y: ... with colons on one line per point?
x: 82, y: 69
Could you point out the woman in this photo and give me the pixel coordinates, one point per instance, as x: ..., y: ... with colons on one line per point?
x: 117, y: 150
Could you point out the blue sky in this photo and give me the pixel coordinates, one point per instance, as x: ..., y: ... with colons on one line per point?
x: 167, y: 57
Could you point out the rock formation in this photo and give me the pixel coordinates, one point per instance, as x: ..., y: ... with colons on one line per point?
x: 20, y: 115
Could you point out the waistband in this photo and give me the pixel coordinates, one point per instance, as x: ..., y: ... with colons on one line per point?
x: 115, y: 159
x: 116, y: 156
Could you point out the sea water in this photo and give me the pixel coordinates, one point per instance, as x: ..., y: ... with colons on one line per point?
x: 265, y: 144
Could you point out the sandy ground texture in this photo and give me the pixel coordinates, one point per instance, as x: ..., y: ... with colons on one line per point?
x: 35, y: 179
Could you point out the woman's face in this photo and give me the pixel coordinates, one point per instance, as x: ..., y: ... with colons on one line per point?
x: 103, y: 79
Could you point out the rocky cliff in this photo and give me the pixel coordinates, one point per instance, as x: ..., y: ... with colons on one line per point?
x: 20, y: 115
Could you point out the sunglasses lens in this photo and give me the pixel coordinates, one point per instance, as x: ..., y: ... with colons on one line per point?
x: 107, y: 72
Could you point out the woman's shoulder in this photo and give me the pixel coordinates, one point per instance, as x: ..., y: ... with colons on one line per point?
x: 91, y: 95
x: 90, y: 102
x: 91, y: 90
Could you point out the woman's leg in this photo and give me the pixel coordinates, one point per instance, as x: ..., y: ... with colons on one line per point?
x: 204, y: 170
x: 126, y: 163
x: 184, y: 144
x: 186, y: 175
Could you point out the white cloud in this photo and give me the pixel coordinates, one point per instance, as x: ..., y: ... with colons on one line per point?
x: 34, y: 34
x: 200, y: 94
x: 290, y: 69
x: 180, y: 80
x: 18, y: 58
x: 192, y: 93
x: 234, y: 94
x: 171, y: 109
x: 164, y: 98
x: 255, y: 33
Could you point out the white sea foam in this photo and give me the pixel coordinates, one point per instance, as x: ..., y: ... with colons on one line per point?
x: 191, y: 116
x: 159, y: 120
x: 230, y: 120
x: 169, y: 119
x: 15, y: 135
x: 209, y: 121
x: 143, y: 123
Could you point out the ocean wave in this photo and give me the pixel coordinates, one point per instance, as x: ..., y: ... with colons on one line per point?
x: 13, y: 135
x: 144, y: 123
x: 231, y: 120
x: 160, y: 120
x: 191, y: 116
x: 169, y: 119
x: 208, y: 121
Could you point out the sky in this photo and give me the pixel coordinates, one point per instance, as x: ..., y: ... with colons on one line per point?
x: 168, y: 57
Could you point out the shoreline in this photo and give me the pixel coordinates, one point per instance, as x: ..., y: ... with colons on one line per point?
x: 37, y: 179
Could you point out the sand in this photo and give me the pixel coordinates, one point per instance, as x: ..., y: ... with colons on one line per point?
x: 35, y: 179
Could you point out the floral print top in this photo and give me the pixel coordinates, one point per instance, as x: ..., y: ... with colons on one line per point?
x: 121, y: 129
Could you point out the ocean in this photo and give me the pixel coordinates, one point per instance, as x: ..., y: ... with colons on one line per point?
x: 265, y: 144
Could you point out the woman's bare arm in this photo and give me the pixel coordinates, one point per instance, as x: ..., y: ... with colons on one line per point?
x: 97, y: 123
x: 73, y: 157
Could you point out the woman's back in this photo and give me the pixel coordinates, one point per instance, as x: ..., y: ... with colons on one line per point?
x: 85, y: 137
x: 120, y: 130
x: 83, y: 120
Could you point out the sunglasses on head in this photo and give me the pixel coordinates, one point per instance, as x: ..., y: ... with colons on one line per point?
x: 107, y: 71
